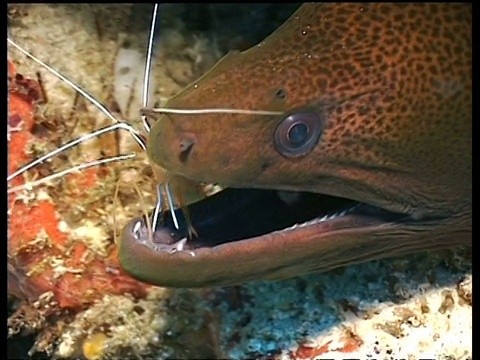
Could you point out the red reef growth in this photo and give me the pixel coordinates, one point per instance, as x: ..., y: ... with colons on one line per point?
x: 41, y: 257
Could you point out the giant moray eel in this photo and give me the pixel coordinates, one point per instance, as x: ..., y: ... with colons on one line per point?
x: 371, y: 157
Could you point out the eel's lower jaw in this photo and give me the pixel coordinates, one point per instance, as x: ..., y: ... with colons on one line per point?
x: 235, y: 215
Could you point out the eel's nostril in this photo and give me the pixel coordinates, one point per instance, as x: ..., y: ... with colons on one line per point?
x: 186, y: 146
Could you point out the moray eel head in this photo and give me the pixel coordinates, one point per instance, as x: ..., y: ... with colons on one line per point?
x: 368, y: 157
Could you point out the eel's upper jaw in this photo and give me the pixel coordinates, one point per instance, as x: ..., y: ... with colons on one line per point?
x: 247, y: 234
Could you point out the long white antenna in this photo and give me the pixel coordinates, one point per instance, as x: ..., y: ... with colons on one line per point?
x: 98, y: 104
x: 164, y: 110
x: 148, y: 65
x: 158, y: 206
x: 171, y: 205
x: 76, y: 168
x: 70, y: 144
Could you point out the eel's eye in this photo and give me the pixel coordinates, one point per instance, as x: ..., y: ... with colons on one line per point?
x: 298, y: 134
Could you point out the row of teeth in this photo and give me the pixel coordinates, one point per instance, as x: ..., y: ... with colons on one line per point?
x: 177, y: 247
x: 180, y: 245
x: 323, y: 219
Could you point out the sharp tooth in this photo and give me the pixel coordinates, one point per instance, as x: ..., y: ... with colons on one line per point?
x: 180, y: 244
x: 136, y: 229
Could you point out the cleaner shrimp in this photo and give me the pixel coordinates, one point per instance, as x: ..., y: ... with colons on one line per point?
x: 66, y: 257
x: 61, y: 250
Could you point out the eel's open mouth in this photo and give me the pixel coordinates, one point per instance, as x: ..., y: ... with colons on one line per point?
x: 239, y: 214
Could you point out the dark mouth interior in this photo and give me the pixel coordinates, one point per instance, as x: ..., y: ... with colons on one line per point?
x: 236, y: 214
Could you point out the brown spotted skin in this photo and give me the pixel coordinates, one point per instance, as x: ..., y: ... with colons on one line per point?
x: 392, y: 83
